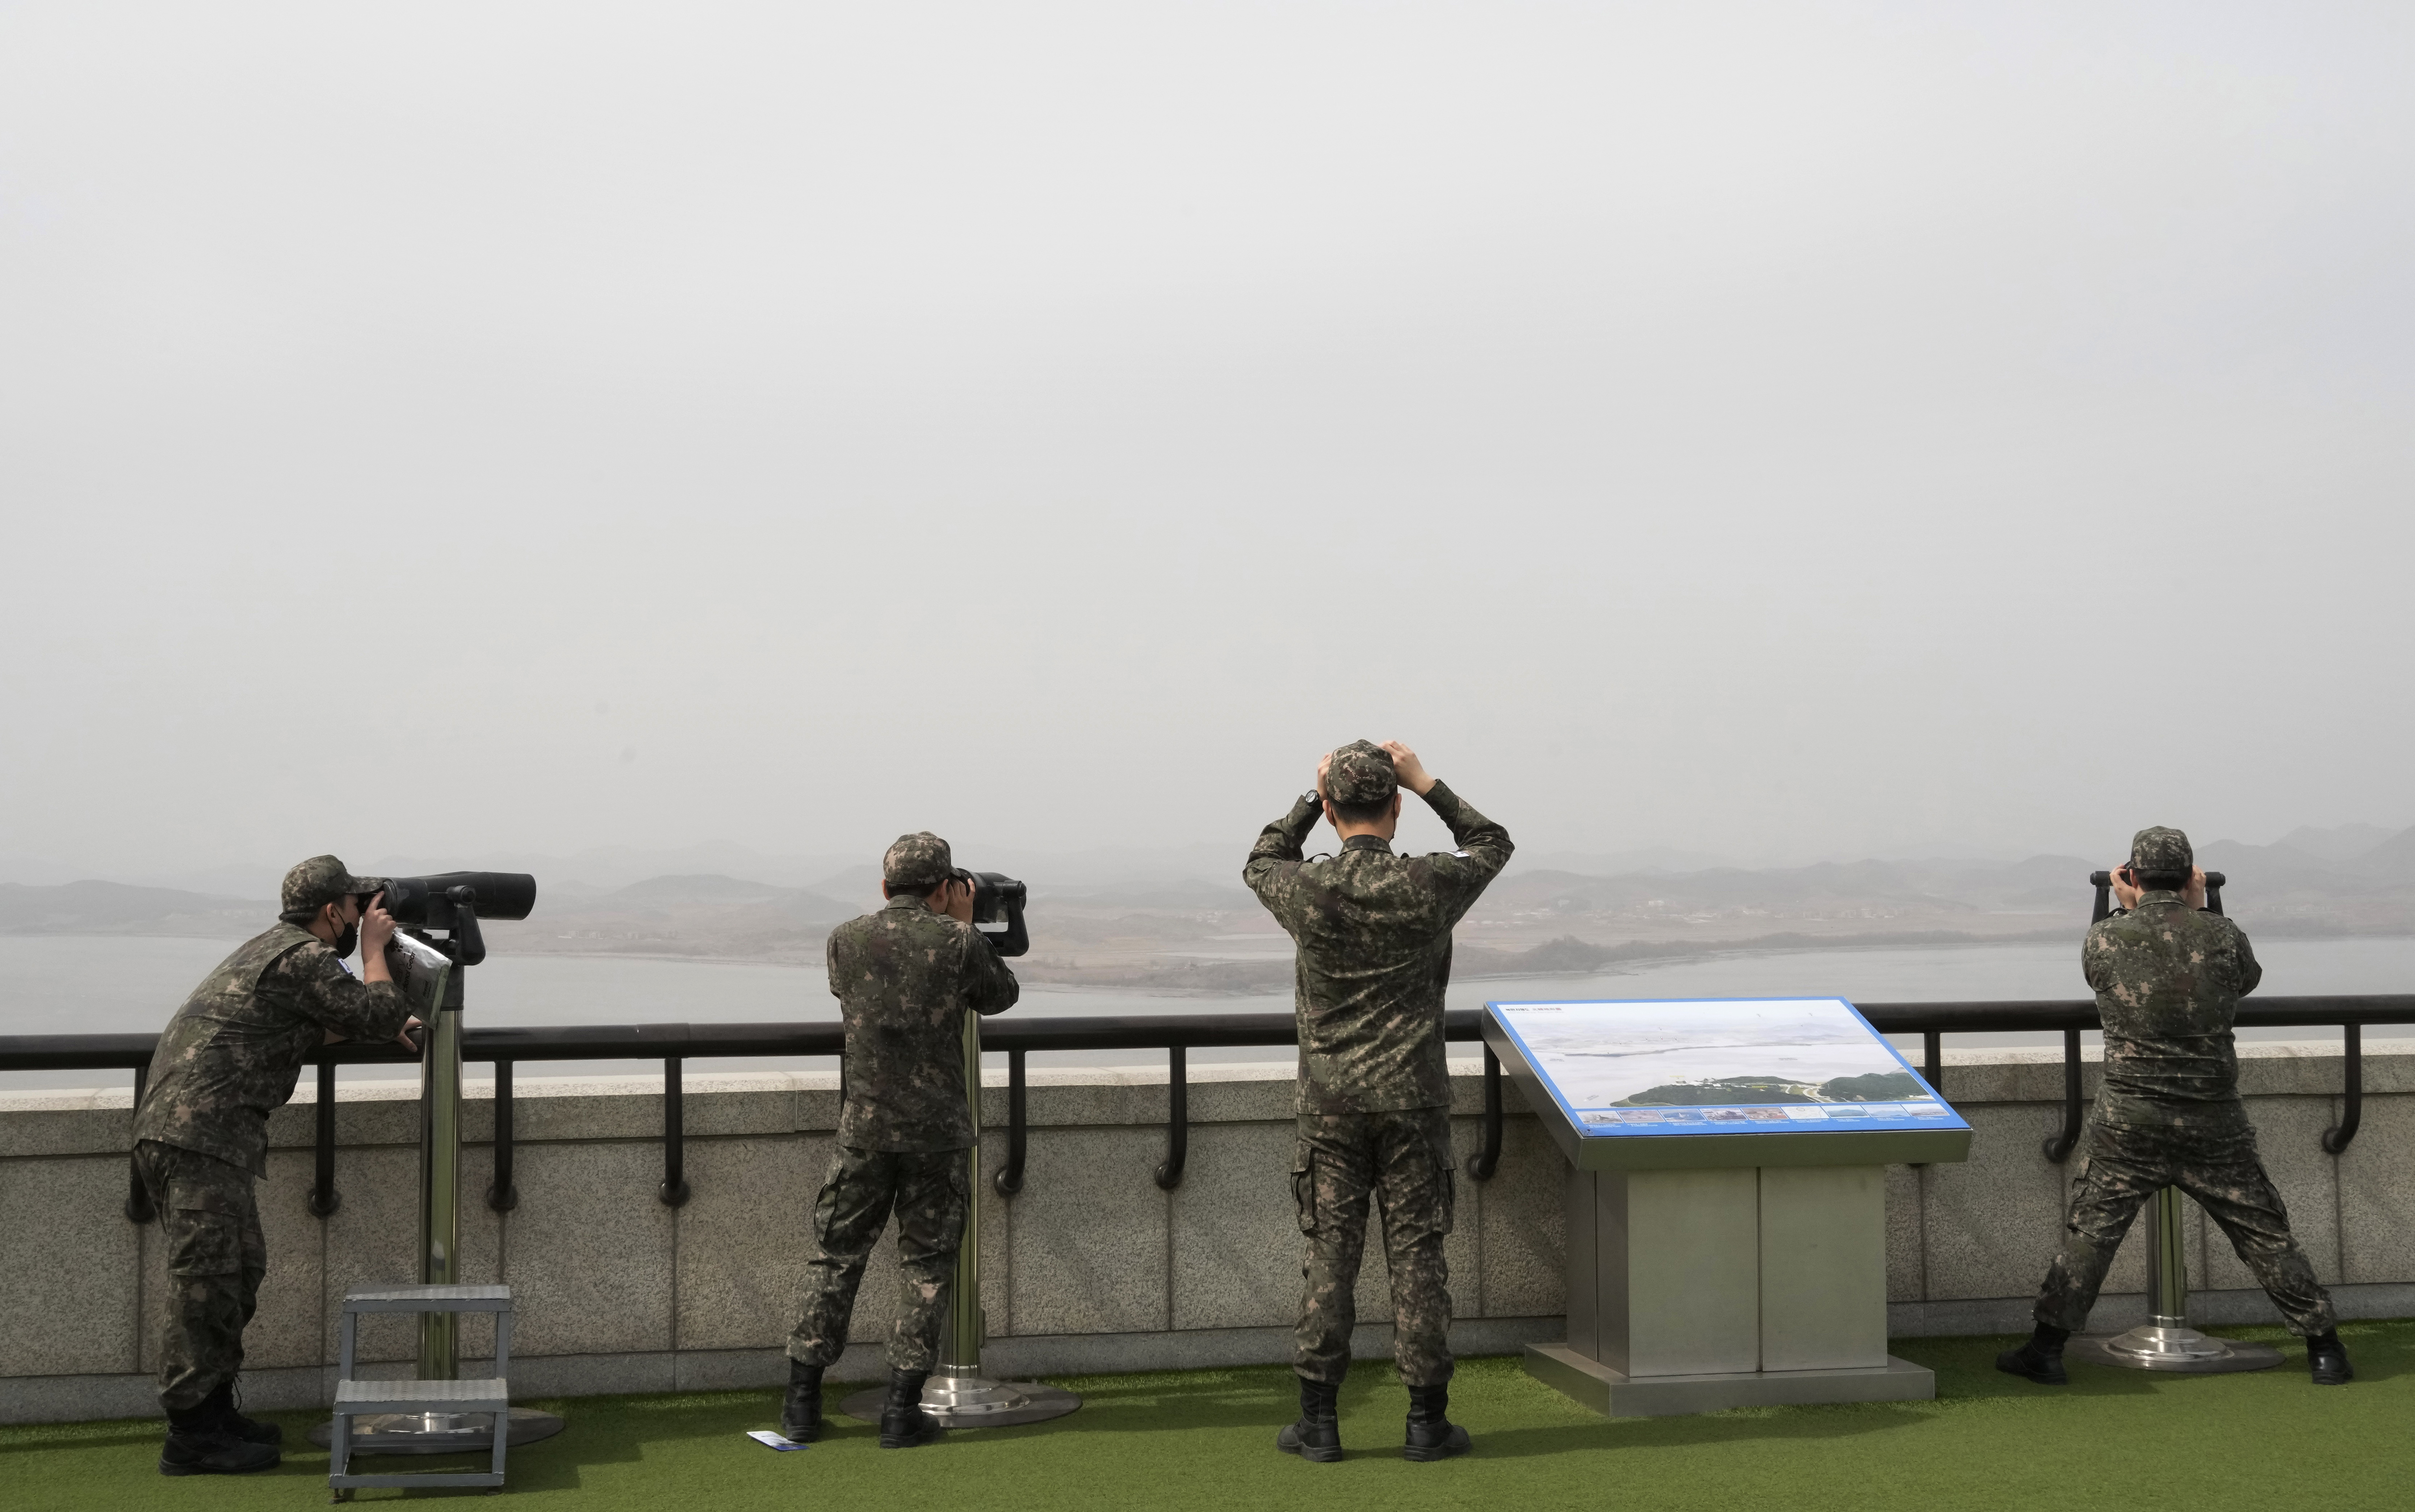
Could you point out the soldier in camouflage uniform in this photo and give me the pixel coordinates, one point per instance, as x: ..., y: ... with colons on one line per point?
x: 903, y: 978
x: 1373, y: 936
x: 229, y: 1056
x: 2168, y: 977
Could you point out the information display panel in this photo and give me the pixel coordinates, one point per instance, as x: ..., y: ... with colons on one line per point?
x: 1741, y: 1081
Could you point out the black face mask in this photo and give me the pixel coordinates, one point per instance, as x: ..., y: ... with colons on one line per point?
x: 346, y: 940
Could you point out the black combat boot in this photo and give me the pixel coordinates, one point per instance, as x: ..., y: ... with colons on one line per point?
x: 230, y: 1419
x: 1317, y: 1435
x: 2327, y: 1359
x: 801, y: 1415
x: 200, y: 1444
x: 1431, y: 1433
x: 2040, y: 1359
x: 904, y: 1424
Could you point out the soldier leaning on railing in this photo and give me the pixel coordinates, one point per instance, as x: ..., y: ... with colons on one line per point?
x: 229, y: 1057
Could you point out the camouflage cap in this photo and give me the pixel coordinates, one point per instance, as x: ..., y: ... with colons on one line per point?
x: 322, y: 880
x: 920, y: 859
x: 2159, y: 849
x: 1360, y: 772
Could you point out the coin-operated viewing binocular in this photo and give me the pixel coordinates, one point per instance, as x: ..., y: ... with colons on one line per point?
x: 454, y: 902
x: 997, y: 911
x: 2103, y: 883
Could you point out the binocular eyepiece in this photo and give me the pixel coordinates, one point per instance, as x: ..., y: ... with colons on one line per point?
x: 428, y: 903
x: 997, y: 911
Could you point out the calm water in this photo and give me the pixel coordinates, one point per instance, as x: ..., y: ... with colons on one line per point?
x: 87, y: 984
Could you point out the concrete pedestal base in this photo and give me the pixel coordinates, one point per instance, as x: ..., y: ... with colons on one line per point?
x: 1614, y: 1395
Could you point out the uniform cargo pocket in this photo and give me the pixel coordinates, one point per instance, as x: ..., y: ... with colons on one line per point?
x: 194, y: 1197
x: 202, y: 1241
x: 1438, y: 1140
x: 1429, y: 1198
x: 205, y: 1222
x: 1303, y: 1188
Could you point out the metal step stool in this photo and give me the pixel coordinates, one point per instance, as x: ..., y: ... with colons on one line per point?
x: 370, y: 1399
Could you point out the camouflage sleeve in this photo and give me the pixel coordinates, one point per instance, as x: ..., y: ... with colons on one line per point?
x: 1484, y: 848
x: 327, y: 994
x: 2094, y: 958
x: 1277, y: 854
x: 2251, y: 971
x: 990, y: 986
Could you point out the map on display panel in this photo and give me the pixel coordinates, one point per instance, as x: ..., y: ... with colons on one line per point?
x: 1721, y: 1066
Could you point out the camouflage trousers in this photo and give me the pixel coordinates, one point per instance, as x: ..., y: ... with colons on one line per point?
x: 210, y: 1224
x: 928, y: 1191
x: 1402, y: 1160
x: 2126, y: 1164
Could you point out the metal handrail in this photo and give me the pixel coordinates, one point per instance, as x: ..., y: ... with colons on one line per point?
x: 1174, y: 1033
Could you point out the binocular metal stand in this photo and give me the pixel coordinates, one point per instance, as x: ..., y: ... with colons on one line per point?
x: 957, y: 1395
x: 434, y: 985
x: 2166, y: 1341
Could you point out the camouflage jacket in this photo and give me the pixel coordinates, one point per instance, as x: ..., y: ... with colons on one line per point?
x: 903, y: 978
x: 1373, y: 936
x: 2169, y: 978
x: 232, y: 1053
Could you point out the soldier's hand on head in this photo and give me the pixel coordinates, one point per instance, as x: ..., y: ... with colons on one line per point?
x: 1323, y: 762
x: 956, y: 900
x: 1411, y: 771
x: 2193, y: 893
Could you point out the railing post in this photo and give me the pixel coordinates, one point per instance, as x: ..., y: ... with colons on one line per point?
x: 673, y: 1190
x: 2352, y: 1101
x: 1178, y: 1115
x: 325, y: 1199
x: 1489, y: 1160
x: 138, y: 1196
x: 503, y: 1195
x: 2058, y: 1147
x: 1932, y: 1061
x: 1010, y: 1177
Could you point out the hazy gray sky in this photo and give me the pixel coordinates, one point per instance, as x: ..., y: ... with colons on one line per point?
x: 1778, y: 429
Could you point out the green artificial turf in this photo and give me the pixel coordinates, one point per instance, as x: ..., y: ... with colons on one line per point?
x: 1205, y: 1439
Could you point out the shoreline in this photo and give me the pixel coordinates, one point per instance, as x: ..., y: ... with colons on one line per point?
x: 1566, y: 957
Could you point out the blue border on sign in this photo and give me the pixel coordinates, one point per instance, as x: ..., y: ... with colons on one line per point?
x: 1792, y: 1125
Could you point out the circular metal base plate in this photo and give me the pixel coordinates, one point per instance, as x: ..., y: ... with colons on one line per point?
x: 439, y: 1432
x: 2182, y: 1350
x: 973, y: 1401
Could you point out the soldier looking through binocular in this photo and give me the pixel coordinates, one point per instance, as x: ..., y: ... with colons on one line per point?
x: 2168, y: 977
x: 229, y: 1057
x: 903, y: 978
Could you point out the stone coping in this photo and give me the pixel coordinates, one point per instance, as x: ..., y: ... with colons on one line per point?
x: 94, y: 1121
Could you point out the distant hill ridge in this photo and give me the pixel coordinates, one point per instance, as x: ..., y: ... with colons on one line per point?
x: 115, y: 908
x: 709, y: 912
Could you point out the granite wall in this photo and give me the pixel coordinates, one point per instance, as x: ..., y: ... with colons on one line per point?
x: 1091, y: 1268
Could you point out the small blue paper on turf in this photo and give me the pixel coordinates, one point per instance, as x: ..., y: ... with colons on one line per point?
x: 771, y: 1440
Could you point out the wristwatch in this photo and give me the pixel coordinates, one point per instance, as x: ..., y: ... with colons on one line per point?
x: 1315, y: 799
